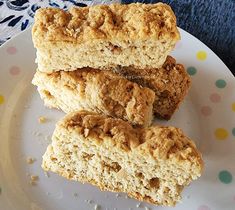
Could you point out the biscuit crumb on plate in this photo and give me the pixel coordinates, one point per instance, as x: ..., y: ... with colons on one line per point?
x: 96, y: 207
x: 117, y: 195
x: 41, y: 119
x: 34, y: 178
x: 30, y: 160
x: 46, y: 174
x: 138, y: 205
x: 33, y: 183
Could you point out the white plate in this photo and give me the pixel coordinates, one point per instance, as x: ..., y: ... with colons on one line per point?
x: 207, y: 116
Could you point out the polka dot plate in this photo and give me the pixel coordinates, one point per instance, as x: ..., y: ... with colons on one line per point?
x: 207, y: 116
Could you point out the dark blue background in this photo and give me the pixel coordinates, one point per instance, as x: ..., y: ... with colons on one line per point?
x: 211, y: 21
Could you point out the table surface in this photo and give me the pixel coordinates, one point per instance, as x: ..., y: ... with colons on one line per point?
x: 211, y: 21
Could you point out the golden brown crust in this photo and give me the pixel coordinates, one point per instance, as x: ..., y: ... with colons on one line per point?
x: 99, y: 91
x: 108, y: 22
x: 160, y: 141
x: 160, y: 160
x: 170, y: 84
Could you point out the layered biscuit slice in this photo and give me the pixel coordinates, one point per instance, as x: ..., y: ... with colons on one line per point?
x: 99, y: 91
x: 103, y: 36
x: 170, y: 84
x: 150, y: 164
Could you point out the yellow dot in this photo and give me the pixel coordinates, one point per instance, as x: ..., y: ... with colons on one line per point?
x: 201, y: 55
x: 221, y: 134
x: 233, y: 106
x: 1, y: 99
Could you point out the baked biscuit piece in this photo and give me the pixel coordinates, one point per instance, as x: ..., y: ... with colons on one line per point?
x: 98, y: 91
x: 102, y: 36
x: 150, y: 164
x: 170, y: 84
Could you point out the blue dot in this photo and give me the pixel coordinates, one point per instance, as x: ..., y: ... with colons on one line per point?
x: 225, y: 177
x: 191, y: 70
x: 220, y: 83
x: 233, y: 131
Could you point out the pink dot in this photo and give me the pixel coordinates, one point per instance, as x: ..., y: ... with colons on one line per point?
x: 206, y: 111
x: 234, y: 197
x: 11, y: 50
x: 14, y: 70
x: 178, y: 45
x: 215, y: 98
x: 203, y: 207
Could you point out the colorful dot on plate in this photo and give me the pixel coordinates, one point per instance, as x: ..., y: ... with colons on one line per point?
x: 178, y: 45
x: 201, y: 55
x: 1, y: 99
x: 11, y: 50
x: 206, y: 111
x: 220, y: 83
x: 225, y: 177
x: 215, y: 98
x: 221, y: 133
x: 233, y: 131
x: 203, y: 207
x: 191, y: 70
x: 14, y: 70
x: 233, y: 107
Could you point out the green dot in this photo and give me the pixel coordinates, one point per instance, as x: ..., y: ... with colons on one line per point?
x: 191, y: 70
x: 220, y: 83
x: 233, y: 131
x: 225, y: 177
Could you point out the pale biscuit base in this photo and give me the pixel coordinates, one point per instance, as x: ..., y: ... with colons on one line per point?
x: 170, y: 83
x: 103, y: 36
x: 150, y: 164
x: 98, y: 91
